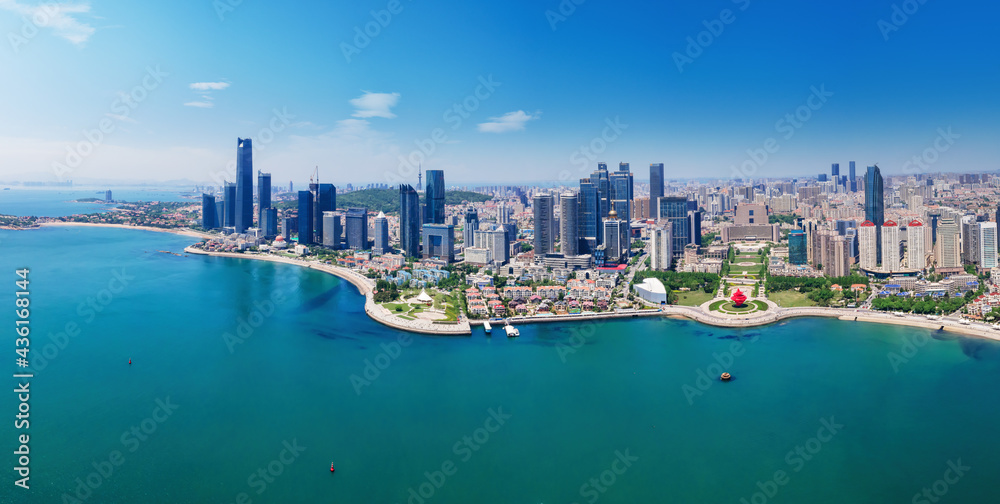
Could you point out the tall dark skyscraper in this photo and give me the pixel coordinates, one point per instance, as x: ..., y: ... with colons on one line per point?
x: 208, y: 217
x: 324, y: 200
x: 434, y: 197
x: 356, y: 228
x: 655, y: 186
x: 470, y: 224
x: 852, y: 180
x: 835, y: 171
x: 544, y: 224
x: 409, y: 220
x: 244, y: 184
x: 675, y: 210
x: 229, y: 200
x: 588, y: 219
x: 569, y: 228
x: 263, y: 196
x: 875, y: 205
x: 621, y: 185
x: 305, y: 217
x: 600, y: 180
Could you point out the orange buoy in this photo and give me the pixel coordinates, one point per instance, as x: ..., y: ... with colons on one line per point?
x: 726, y: 376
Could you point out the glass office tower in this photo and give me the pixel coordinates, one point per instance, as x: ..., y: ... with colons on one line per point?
x: 244, y: 185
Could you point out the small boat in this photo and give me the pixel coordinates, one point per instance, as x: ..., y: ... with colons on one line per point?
x: 487, y: 327
x: 511, y: 331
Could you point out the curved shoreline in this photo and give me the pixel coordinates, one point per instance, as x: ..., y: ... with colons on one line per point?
x: 773, y: 315
x: 365, y: 286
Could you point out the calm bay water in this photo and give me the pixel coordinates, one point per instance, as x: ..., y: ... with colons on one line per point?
x: 570, y: 412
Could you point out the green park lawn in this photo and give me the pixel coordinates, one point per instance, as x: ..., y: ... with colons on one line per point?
x: 693, y: 298
x: 790, y: 299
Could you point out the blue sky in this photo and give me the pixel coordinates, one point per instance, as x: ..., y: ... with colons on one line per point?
x: 561, y: 80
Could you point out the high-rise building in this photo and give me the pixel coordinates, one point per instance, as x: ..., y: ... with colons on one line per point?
x: 409, y: 220
x: 661, y: 252
x: 324, y: 200
x: 948, y: 246
x: 439, y: 241
x: 675, y: 210
x: 640, y: 208
x: 891, y: 243
x: 835, y: 171
x: 602, y: 183
x: 496, y: 242
x: 107, y: 196
x: 434, y: 197
x: 694, y: 218
x: 305, y: 217
x: 621, y: 186
x: 356, y: 228
x: 875, y: 204
x: 588, y: 219
x: 970, y: 240
x: 381, y: 226
x: 263, y: 196
x: 331, y: 230
x: 229, y: 198
x: 655, y: 186
x: 286, y: 228
x: 470, y: 224
x: 867, y: 246
x: 544, y: 224
x: 797, y: 253
x: 569, y: 228
x: 269, y: 227
x: 853, y: 179
x: 208, y: 218
x: 750, y: 215
x: 616, y: 239
x: 915, y: 245
x: 987, y: 245
x: 244, y: 185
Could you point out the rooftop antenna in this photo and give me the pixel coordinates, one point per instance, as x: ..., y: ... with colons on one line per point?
x: 420, y: 175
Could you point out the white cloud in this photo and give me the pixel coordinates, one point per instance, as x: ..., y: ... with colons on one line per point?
x: 375, y: 105
x: 511, y: 121
x: 57, y: 16
x: 199, y: 104
x: 209, y: 86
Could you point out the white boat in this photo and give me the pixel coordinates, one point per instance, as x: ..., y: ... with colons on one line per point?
x: 933, y: 317
x: 511, y: 331
x: 487, y: 326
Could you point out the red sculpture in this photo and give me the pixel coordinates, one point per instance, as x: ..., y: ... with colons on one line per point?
x: 738, y: 298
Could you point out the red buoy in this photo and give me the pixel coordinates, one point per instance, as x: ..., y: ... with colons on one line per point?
x: 331, y: 466
x: 130, y: 362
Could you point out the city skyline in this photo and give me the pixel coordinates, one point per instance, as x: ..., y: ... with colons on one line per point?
x: 355, y: 112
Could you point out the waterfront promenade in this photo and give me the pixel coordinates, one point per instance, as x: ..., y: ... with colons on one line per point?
x: 365, y: 286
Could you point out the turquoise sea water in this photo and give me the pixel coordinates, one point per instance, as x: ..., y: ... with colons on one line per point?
x: 576, y: 396
x: 57, y: 202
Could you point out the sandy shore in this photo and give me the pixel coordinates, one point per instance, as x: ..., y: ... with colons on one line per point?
x: 183, y: 232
